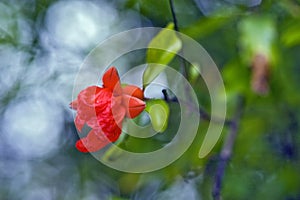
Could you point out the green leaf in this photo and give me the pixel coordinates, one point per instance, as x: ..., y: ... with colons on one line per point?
x: 159, y: 112
x: 257, y: 35
x: 291, y: 37
x: 161, y: 51
x: 205, y: 26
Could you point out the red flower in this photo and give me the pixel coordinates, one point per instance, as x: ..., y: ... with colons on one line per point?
x: 103, y: 109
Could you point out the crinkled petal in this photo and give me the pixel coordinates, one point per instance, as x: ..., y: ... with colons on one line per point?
x: 115, y: 134
x: 115, y: 123
x: 110, y: 125
x: 92, y: 142
x: 111, y: 80
x: 88, y: 96
x: 93, y: 122
x: 105, y: 115
x: 90, y: 104
x: 79, y: 123
x: 134, y: 91
x: 133, y: 105
x: 103, y: 98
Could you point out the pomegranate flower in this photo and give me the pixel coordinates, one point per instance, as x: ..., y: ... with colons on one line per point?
x: 103, y: 110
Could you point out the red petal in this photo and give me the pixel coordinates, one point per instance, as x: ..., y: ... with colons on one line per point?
x: 92, y: 142
x: 88, y: 95
x: 113, y: 121
x: 134, y: 106
x: 93, y: 122
x: 74, y: 104
x: 79, y: 145
x: 118, y: 114
x: 134, y: 91
x: 79, y: 123
x: 92, y: 100
x: 116, y: 134
x: 111, y: 80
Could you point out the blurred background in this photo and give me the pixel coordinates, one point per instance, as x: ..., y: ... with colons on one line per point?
x: 255, y: 44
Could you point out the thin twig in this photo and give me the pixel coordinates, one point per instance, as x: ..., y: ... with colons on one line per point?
x: 166, y: 96
x: 173, y: 15
x: 183, y: 65
x: 202, y: 112
x: 226, y: 151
